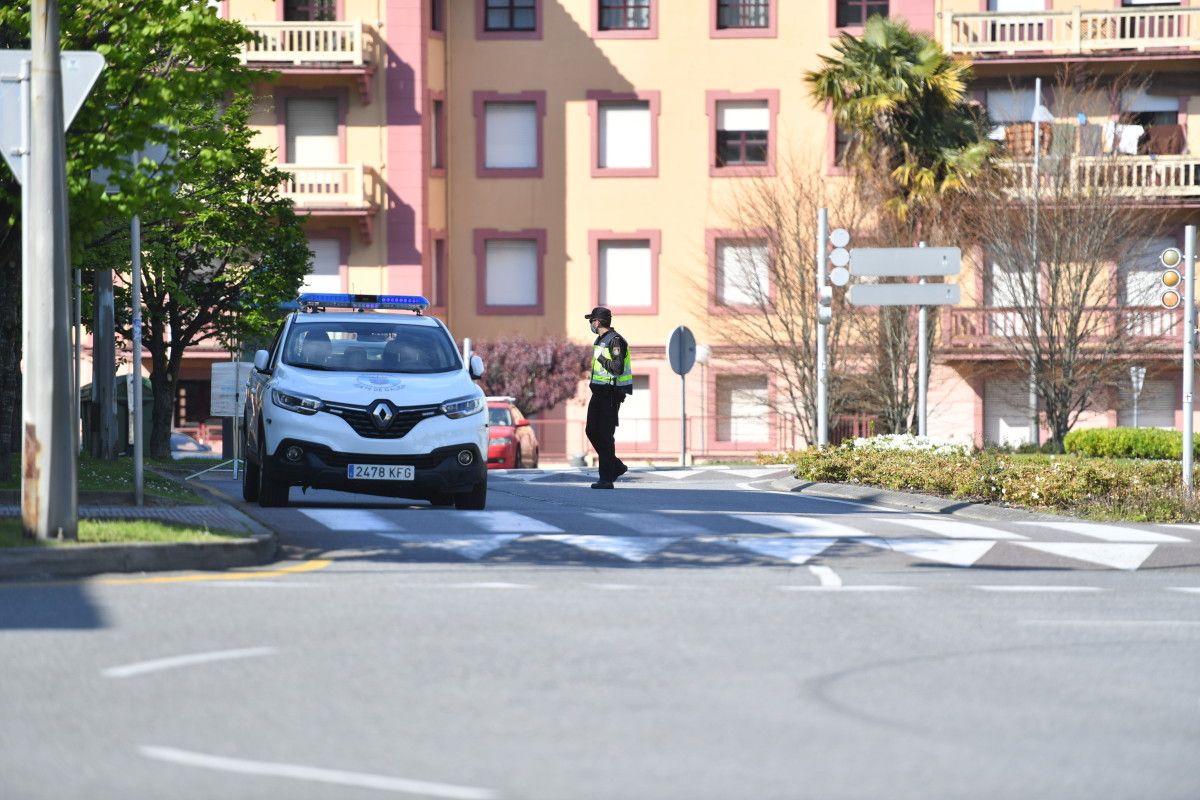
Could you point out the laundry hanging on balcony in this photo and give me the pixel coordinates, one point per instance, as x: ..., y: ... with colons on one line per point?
x: 1122, y: 138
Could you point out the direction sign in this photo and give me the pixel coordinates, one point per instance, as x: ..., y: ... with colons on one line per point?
x: 681, y: 350
x: 904, y: 294
x: 900, y: 262
x: 80, y: 68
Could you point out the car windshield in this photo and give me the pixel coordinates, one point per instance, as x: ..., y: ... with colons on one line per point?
x: 354, y: 346
x: 499, y: 416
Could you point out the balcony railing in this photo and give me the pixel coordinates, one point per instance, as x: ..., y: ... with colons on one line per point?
x: 1119, y: 175
x: 353, y: 187
x: 989, y: 327
x: 1075, y: 31
x: 310, y: 43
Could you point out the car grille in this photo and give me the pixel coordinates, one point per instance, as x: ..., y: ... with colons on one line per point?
x: 359, y: 418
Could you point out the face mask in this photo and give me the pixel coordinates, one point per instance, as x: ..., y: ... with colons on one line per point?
x: 594, y: 325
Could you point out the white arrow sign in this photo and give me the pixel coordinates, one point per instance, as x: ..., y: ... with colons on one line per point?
x: 898, y: 262
x: 904, y: 294
x: 80, y: 68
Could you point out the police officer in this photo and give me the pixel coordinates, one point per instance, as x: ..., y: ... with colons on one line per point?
x: 612, y: 381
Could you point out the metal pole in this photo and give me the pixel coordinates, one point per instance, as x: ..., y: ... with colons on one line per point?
x: 235, y: 428
x: 104, y: 365
x: 1035, y: 433
x: 135, y: 252
x: 922, y: 367
x: 822, y: 366
x: 50, y: 454
x: 683, y: 420
x: 1189, y: 349
x: 78, y: 344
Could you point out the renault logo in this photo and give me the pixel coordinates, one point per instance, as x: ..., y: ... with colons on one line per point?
x: 382, y: 414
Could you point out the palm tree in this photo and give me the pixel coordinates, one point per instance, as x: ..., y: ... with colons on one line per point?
x: 903, y: 101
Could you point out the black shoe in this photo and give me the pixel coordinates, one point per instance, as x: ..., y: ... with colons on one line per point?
x: 621, y: 470
x: 602, y: 485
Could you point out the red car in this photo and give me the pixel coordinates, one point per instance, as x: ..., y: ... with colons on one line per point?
x: 512, y: 444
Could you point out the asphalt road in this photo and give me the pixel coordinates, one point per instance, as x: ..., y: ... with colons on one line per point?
x: 676, y: 638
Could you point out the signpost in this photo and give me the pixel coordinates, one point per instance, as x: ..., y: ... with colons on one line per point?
x: 228, y: 399
x: 1172, y: 259
x: 681, y: 352
x: 47, y: 88
x: 1137, y: 376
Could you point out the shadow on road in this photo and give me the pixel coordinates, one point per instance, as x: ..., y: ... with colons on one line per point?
x: 46, y: 606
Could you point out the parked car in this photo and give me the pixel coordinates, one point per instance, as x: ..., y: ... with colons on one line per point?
x: 512, y: 444
x: 184, y: 446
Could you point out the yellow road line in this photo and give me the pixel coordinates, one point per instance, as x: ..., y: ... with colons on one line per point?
x: 307, y: 566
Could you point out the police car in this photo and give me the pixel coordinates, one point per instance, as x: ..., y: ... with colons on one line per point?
x: 362, y: 401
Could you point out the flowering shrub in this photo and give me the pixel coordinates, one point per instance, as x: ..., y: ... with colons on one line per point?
x: 911, y: 444
x: 540, y: 374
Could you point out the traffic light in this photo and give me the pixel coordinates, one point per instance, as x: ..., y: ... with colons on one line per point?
x: 825, y: 305
x: 1171, y: 258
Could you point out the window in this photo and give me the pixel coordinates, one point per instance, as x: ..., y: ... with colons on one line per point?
x: 742, y: 273
x: 854, y: 13
x: 312, y: 131
x: 437, y: 135
x: 510, y: 15
x: 626, y: 278
x: 326, y: 272
x: 509, y: 268
x: 743, y: 133
x: 509, y: 128
x: 370, y: 346
x: 625, y: 135
x: 743, y: 14
x: 743, y: 408
x: 624, y: 15
x: 637, y: 413
x: 437, y: 16
x: 309, y: 10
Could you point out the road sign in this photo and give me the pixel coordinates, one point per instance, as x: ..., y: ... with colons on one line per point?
x: 904, y: 294
x: 228, y: 397
x: 80, y: 68
x: 681, y: 350
x: 898, y: 262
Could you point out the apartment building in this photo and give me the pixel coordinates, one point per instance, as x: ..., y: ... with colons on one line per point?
x: 519, y: 161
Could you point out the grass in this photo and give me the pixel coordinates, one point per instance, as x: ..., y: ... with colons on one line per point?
x: 117, y: 532
x: 117, y: 476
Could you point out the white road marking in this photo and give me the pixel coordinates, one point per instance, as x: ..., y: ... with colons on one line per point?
x: 1173, y: 623
x: 1107, y: 533
x: 648, y: 523
x: 1188, y: 589
x: 759, y: 472
x: 825, y: 575
x: 616, y: 587
x: 260, y: 584
x: 794, y: 551
x: 508, y: 522
x: 350, y: 519
x: 1117, y: 556
x: 487, y: 585
x: 958, y: 553
x: 1002, y: 587
x: 472, y: 547
x: 865, y: 588
x: 361, y: 780
x: 801, y: 526
x: 953, y: 528
x: 158, y: 664
x: 677, y: 474
x: 630, y: 548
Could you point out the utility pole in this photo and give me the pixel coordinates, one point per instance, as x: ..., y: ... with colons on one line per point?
x: 1189, y: 349
x: 922, y: 366
x: 104, y: 366
x: 1035, y: 433
x: 49, y: 502
x: 822, y: 356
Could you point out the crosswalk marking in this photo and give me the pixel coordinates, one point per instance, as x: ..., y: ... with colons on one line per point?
x: 954, y: 529
x: 1036, y: 588
x: 1117, y: 556
x: 1108, y: 533
x: 508, y: 522
x: 759, y: 472
x: 864, y: 588
x: 958, y: 553
x: 679, y: 474
x: 648, y: 523
x: 794, y: 551
x: 801, y: 526
x: 350, y: 519
x: 472, y: 547
x: 630, y: 548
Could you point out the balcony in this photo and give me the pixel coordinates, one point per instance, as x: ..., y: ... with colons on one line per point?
x: 1078, y: 32
x: 979, y: 332
x: 349, y: 47
x: 1144, y: 177
x: 335, y: 190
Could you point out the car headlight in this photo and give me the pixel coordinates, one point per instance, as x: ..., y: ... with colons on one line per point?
x: 463, y: 406
x: 300, y: 403
x: 503, y: 440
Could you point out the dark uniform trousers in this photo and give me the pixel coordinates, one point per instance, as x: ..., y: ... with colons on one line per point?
x: 603, y: 410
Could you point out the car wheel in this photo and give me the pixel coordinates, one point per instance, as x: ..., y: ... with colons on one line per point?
x: 517, y: 458
x: 536, y: 458
x: 441, y: 500
x: 474, y: 500
x: 272, y: 492
x: 250, y: 477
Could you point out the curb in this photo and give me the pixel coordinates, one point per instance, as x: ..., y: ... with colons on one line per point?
x: 83, y: 560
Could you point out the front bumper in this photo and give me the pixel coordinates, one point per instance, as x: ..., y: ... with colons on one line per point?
x: 436, y: 472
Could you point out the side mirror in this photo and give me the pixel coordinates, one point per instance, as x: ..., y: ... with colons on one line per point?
x: 476, y: 368
x: 262, y: 360
x: 523, y: 423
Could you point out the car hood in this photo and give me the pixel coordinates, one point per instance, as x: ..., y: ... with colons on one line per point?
x: 362, y: 388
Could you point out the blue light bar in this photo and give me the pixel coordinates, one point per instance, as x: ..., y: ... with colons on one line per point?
x: 376, y: 301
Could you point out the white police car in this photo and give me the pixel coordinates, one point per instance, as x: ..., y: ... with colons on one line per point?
x: 365, y: 402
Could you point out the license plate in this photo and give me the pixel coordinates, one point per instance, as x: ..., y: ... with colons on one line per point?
x: 379, y: 472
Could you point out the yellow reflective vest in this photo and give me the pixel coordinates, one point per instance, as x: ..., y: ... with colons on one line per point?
x: 600, y: 374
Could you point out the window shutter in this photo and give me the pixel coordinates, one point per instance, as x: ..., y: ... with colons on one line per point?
x: 743, y: 279
x: 1139, y: 100
x: 752, y: 115
x: 511, y: 136
x: 742, y: 408
x: 326, y: 274
x: 637, y: 413
x: 511, y: 268
x: 625, y: 273
x: 1011, y: 105
x: 312, y: 131
x: 625, y: 135
x: 1156, y: 404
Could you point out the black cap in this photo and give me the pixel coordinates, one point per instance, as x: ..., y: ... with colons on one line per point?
x: 600, y: 314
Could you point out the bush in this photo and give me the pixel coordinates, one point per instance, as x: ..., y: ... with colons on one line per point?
x: 1127, y: 443
x: 1097, y: 488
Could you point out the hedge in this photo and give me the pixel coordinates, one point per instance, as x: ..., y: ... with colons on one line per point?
x: 1127, y: 443
x: 1096, y: 488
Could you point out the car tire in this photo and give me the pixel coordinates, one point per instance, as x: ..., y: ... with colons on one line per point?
x: 250, y: 479
x: 517, y: 458
x: 441, y: 500
x: 272, y: 492
x: 474, y: 500
x: 536, y: 458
